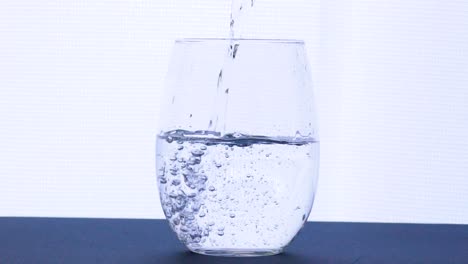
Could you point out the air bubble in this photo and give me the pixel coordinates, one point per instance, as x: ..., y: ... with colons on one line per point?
x: 232, y: 215
x: 196, y: 206
x: 203, y: 147
x: 194, y: 160
x: 162, y: 172
x: 180, y: 147
x: 168, y: 214
x: 211, y: 188
x: 176, y: 182
x: 197, y: 153
x: 169, y: 139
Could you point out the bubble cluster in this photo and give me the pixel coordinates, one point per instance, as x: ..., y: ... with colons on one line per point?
x: 234, y: 191
x: 183, y: 200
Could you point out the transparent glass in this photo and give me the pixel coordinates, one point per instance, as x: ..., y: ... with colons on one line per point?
x: 237, y: 155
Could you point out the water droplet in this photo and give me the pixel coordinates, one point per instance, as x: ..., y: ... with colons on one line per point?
x: 183, y: 229
x: 202, y: 214
x: 169, y: 139
x: 220, y: 77
x: 180, y: 147
x: 298, y: 208
x: 191, y: 195
x: 203, y: 147
x: 163, y: 180
x: 226, y: 155
x: 221, y: 228
x: 211, y: 223
x: 176, y: 221
x: 232, y: 215
x: 268, y: 155
x: 249, y: 176
x: 220, y: 233
x: 234, y: 53
x: 227, y: 91
x: 211, y: 188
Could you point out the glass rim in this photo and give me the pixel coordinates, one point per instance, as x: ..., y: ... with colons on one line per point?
x: 280, y: 41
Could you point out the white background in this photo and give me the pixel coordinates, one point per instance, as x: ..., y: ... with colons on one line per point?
x: 80, y: 83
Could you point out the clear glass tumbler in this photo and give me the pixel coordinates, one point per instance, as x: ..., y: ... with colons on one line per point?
x: 237, y: 155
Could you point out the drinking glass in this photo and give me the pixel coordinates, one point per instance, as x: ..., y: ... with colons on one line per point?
x: 237, y: 155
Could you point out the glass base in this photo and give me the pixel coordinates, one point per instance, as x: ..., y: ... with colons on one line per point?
x: 236, y: 252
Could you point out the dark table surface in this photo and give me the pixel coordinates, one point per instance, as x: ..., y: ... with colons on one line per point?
x: 72, y: 240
